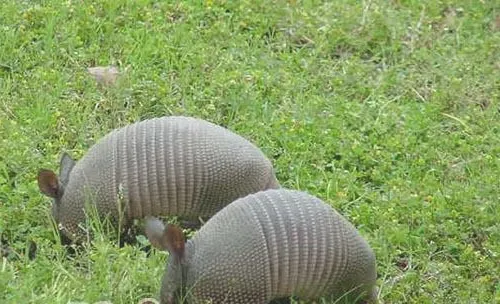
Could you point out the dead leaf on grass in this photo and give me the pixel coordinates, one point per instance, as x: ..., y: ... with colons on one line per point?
x: 148, y: 301
x: 105, y: 75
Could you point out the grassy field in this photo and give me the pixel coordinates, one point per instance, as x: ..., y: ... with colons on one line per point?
x: 388, y: 110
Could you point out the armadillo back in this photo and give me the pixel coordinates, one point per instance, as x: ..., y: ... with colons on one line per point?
x: 169, y: 166
x: 278, y: 243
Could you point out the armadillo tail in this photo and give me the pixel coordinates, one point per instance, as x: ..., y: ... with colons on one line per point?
x: 273, y: 183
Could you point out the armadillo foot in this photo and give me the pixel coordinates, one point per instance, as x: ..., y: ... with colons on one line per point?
x: 286, y: 300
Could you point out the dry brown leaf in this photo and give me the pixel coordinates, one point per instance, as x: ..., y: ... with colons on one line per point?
x: 148, y: 301
x: 105, y: 75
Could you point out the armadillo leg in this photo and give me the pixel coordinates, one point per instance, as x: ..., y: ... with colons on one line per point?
x: 286, y: 300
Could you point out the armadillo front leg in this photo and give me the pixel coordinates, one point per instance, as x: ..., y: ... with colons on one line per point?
x: 286, y: 300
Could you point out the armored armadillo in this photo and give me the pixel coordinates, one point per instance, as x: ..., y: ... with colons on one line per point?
x: 168, y: 166
x: 267, y: 246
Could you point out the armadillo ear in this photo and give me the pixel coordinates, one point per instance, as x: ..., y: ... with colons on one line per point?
x: 65, y: 167
x: 48, y: 183
x: 174, y: 239
x: 170, y: 238
x: 154, y: 232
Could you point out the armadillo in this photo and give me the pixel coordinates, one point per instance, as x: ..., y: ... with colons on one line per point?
x: 166, y: 166
x: 264, y: 247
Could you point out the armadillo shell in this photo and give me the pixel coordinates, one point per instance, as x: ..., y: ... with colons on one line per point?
x: 275, y: 244
x: 165, y: 166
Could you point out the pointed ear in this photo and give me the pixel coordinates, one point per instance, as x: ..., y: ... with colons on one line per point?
x: 168, y: 238
x: 48, y: 183
x: 154, y: 231
x: 65, y: 167
x: 175, y: 241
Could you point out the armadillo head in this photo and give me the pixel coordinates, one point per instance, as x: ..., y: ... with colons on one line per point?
x: 361, y: 276
x: 54, y: 187
x: 373, y: 298
x: 171, y: 239
x: 370, y: 296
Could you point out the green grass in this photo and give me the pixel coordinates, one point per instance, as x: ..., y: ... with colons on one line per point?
x: 388, y: 110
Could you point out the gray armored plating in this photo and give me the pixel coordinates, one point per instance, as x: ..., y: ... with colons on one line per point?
x: 173, y: 165
x: 268, y: 245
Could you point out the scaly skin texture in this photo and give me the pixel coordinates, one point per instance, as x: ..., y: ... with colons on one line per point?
x: 165, y: 166
x: 274, y: 244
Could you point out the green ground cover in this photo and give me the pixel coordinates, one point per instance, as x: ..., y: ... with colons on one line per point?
x: 388, y: 110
